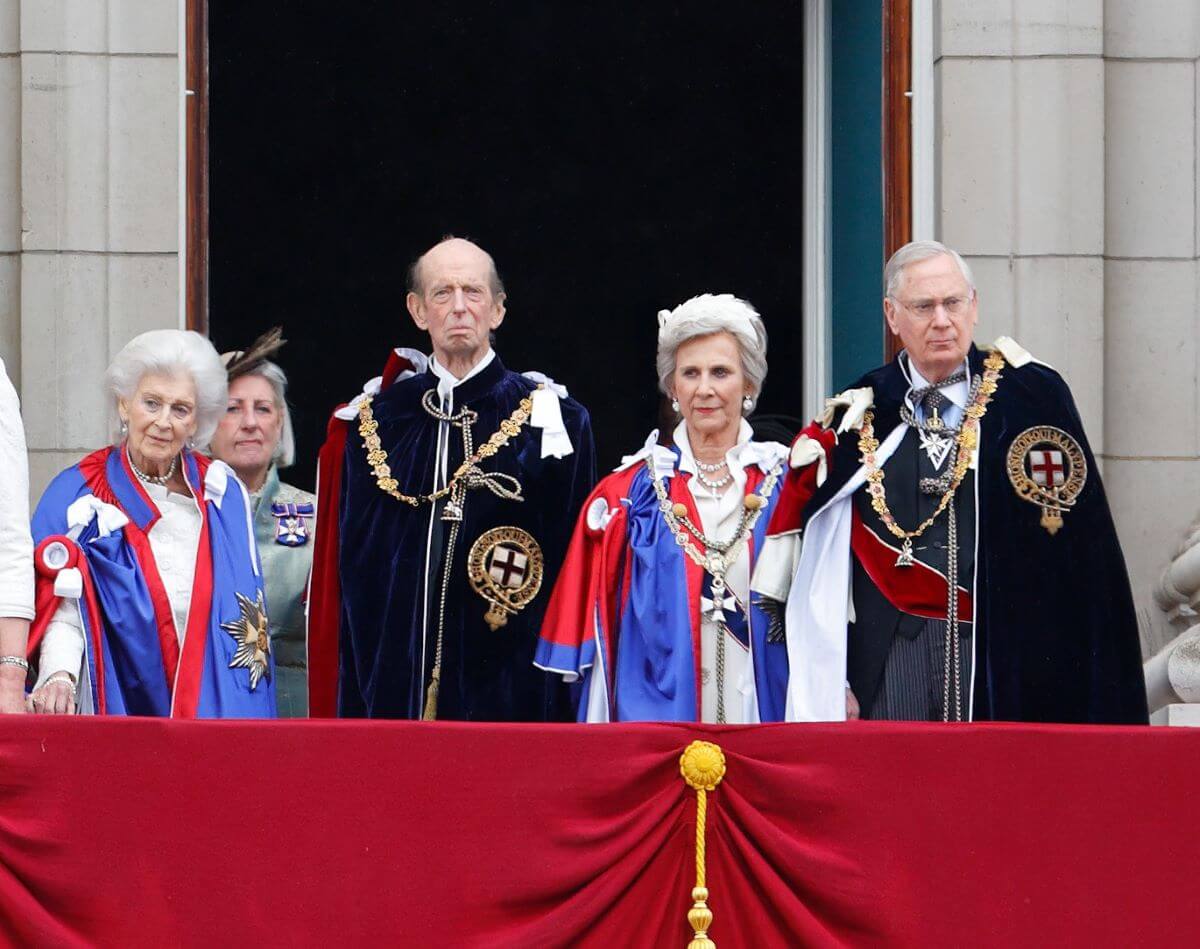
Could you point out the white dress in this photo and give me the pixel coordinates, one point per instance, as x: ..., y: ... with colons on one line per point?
x: 720, y: 515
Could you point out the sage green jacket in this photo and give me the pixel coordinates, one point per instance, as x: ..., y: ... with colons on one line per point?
x: 285, y: 571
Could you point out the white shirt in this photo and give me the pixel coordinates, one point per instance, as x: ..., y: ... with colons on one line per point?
x: 16, y: 545
x: 174, y: 541
x: 719, y: 518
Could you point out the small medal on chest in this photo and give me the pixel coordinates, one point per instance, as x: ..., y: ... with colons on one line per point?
x: 936, y: 447
x: 291, y: 523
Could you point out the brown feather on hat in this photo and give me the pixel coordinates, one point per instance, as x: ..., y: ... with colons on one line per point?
x: 247, y: 360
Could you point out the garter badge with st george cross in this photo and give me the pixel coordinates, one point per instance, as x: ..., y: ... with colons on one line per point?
x: 1046, y: 467
x: 505, y: 567
x: 291, y: 523
x: 251, y: 634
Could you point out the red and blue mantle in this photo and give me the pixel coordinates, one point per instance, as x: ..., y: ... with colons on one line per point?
x: 136, y: 663
x: 628, y: 599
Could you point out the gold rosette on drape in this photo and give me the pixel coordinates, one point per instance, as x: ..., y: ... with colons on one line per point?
x: 702, y: 765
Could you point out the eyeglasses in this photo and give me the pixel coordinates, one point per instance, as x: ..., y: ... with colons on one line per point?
x: 925, y: 309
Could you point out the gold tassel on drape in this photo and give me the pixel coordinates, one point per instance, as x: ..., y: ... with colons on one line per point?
x: 702, y: 765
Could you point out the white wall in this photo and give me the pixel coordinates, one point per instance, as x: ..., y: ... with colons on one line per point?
x: 1067, y: 172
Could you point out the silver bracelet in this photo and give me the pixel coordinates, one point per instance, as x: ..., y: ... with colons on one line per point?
x: 63, y: 676
x: 14, y: 661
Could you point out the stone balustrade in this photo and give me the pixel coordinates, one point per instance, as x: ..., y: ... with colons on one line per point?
x: 1173, y: 674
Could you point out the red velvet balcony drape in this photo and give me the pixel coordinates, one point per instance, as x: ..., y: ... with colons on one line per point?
x: 140, y: 832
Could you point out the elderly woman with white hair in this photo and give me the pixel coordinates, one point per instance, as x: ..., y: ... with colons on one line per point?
x: 255, y: 438
x: 652, y: 607
x: 150, y: 595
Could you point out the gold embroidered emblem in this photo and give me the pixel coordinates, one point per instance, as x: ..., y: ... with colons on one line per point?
x: 251, y: 632
x: 505, y: 567
x: 1047, y: 467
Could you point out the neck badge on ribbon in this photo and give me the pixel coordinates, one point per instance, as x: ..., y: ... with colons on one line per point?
x: 291, y: 523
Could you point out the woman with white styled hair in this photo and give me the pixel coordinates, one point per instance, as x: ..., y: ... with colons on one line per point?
x: 150, y: 598
x: 652, y: 607
x: 255, y: 438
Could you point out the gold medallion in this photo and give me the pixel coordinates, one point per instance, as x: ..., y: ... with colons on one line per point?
x: 1046, y: 467
x: 505, y: 567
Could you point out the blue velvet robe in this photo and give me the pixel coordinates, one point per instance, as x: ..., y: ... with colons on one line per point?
x: 1057, y: 637
x: 390, y: 559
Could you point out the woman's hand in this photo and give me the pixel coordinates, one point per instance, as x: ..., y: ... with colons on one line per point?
x: 12, y: 690
x: 852, y: 709
x: 55, y: 697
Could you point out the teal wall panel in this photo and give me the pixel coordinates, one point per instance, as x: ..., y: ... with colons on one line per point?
x: 856, y: 188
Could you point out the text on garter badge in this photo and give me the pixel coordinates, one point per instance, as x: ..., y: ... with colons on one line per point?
x: 291, y: 523
x: 251, y: 634
x: 1046, y: 467
x: 505, y: 567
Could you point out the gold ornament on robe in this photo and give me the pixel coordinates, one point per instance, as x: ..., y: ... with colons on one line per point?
x: 1047, y: 467
x: 505, y: 567
x: 251, y: 632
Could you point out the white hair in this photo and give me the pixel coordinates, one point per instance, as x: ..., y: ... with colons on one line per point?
x: 285, y: 450
x: 914, y: 252
x: 705, y: 315
x: 173, y: 353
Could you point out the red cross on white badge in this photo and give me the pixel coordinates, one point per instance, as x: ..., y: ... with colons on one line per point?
x: 508, y: 566
x: 1047, y: 468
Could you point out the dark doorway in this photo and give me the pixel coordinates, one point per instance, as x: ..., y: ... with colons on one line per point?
x: 615, y: 159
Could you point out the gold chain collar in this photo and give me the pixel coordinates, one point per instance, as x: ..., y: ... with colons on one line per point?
x: 967, y: 441
x: 368, y: 428
x: 717, y: 558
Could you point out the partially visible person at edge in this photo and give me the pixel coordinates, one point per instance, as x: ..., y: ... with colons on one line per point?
x: 943, y: 541
x: 447, y: 492
x: 153, y: 600
x: 652, y: 609
x: 255, y: 438
x: 16, y: 552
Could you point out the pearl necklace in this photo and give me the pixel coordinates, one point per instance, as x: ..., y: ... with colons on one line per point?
x: 712, y: 468
x: 714, y: 485
x: 160, y: 480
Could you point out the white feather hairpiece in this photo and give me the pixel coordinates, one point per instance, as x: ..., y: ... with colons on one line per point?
x: 722, y: 306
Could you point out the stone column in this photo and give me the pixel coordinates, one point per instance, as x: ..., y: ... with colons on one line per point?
x: 1151, y: 358
x: 99, y: 171
x: 1068, y: 176
x: 10, y: 189
x: 1020, y: 144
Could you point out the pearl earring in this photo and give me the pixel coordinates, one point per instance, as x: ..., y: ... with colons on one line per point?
x: 124, y: 428
x: 747, y: 403
x: 674, y: 405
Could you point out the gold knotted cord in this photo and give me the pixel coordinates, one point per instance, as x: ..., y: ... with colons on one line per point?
x: 702, y: 765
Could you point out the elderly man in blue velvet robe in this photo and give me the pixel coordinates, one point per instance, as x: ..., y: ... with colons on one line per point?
x: 942, y: 542
x: 451, y: 485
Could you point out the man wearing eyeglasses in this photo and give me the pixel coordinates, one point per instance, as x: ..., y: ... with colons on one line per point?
x: 943, y: 544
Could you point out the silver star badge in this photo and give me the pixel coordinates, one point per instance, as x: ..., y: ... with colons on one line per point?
x: 937, y: 447
x: 251, y: 633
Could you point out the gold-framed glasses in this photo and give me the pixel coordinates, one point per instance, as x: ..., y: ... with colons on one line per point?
x: 926, y: 309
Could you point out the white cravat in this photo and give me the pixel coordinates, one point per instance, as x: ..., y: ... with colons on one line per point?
x: 447, y: 382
